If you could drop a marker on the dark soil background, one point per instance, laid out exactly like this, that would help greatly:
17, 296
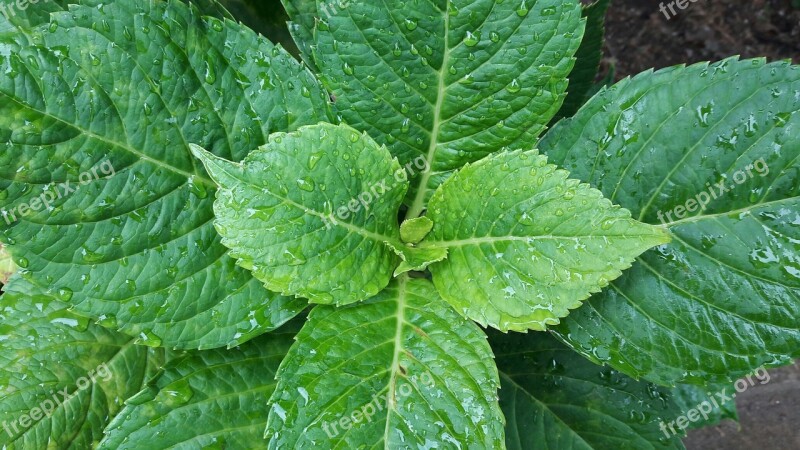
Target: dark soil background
640, 37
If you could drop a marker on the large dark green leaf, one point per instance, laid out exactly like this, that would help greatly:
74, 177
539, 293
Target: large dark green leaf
724, 297
122, 90
263, 16
445, 81
215, 399
706, 398
17, 19
587, 59
401, 370
555, 399
61, 377
303, 15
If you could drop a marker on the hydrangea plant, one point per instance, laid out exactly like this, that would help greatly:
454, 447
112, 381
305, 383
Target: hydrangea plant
428, 233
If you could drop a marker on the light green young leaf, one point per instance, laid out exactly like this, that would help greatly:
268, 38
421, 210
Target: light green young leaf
401, 371
210, 399
311, 212
135, 244
7, 266
526, 243
413, 231
415, 258
62, 377
554, 399
724, 298
448, 81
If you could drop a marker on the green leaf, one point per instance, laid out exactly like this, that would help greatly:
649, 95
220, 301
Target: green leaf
211, 399
265, 17
416, 258
17, 19
688, 397
413, 231
138, 248
62, 377
7, 266
308, 208
555, 399
401, 371
526, 243
587, 59
724, 298
301, 27
448, 82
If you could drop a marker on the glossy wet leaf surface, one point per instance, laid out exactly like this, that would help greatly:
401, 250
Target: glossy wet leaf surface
724, 297
54, 361
129, 236
215, 399
526, 243
400, 371
308, 208
447, 81
555, 399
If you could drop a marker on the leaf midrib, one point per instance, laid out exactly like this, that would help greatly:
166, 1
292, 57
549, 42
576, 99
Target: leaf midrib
346, 225
543, 405
525, 239
126, 147
398, 345
746, 209
417, 205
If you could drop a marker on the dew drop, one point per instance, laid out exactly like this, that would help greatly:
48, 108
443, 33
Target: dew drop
148, 338
522, 11
306, 184
313, 160
176, 394
64, 294
107, 321
471, 40
211, 73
